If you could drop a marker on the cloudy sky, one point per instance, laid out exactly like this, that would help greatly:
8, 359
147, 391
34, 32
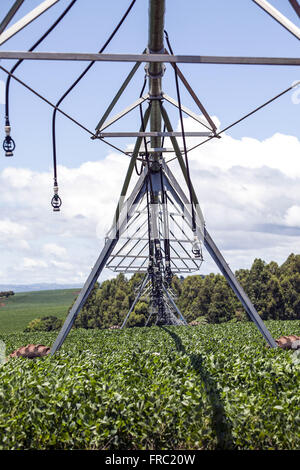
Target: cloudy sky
247, 182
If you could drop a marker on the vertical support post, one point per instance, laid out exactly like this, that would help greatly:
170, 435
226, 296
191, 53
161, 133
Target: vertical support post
156, 70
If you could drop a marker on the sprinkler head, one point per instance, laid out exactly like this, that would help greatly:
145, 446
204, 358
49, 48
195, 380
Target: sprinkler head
9, 146
196, 248
56, 201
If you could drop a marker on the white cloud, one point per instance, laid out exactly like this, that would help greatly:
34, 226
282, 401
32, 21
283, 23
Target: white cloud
248, 190
292, 216
10, 229
52, 249
30, 263
61, 265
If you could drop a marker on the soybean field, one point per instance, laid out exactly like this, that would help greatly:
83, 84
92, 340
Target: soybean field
172, 387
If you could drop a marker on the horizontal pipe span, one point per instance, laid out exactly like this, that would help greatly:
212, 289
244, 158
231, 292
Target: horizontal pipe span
183, 59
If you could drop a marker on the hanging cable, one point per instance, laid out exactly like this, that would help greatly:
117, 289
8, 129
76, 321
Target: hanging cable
243, 117
168, 271
85, 71
195, 248
9, 144
151, 257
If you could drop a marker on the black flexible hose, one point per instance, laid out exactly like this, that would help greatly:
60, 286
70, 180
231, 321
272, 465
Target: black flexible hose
9, 144
41, 97
35, 45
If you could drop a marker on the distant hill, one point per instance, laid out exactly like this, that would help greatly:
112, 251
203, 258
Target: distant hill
36, 287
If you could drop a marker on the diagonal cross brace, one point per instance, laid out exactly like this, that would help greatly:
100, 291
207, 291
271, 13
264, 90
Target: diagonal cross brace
279, 17
118, 116
10, 15
26, 20
119, 94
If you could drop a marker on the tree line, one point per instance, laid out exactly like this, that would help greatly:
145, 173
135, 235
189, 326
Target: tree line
274, 290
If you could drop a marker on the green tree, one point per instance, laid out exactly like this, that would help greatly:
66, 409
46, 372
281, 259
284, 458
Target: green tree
48, 323
139, 315
222, 305
291, 292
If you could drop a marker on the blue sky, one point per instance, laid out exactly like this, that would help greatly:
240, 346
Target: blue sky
194, 27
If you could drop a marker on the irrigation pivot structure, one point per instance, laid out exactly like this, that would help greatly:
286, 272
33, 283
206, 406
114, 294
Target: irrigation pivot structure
158, 229
157, 200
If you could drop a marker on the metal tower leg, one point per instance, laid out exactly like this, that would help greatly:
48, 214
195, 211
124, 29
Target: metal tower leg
221, 263
85, 291
237, 288
149, 317
174, 305
116, 231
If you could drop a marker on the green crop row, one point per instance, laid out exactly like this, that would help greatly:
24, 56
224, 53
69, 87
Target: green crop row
205, 387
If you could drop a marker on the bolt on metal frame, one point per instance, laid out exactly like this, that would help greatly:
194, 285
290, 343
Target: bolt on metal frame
23, 22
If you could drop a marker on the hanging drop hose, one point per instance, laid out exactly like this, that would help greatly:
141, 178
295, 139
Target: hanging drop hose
168, 271
151, 257
196, 247
85, 71
9, 144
